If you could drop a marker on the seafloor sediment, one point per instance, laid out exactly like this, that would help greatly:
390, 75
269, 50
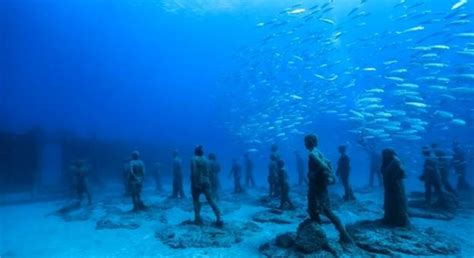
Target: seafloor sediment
253, 227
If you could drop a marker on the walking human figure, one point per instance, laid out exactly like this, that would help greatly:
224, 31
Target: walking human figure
201, 184
319, 178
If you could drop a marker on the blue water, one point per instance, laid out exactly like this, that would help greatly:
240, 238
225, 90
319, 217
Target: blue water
226, 74
163, 72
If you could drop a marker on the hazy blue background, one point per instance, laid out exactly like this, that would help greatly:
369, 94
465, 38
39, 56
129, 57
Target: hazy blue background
138, 71
112, 69
134, 70
122, 69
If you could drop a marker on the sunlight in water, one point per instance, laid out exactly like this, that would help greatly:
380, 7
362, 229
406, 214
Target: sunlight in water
202, 7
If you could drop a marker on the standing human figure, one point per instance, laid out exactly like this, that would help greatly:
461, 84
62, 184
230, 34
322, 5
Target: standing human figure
431, 177
395, 201
459, 165
374, 161
236, 172
274, 151
444, 167
249, 181
79, 171
135, 179
272, 176
178, 191
285, 201
343, 172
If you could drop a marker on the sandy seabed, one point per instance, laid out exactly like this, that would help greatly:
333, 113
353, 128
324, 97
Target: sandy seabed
30, 230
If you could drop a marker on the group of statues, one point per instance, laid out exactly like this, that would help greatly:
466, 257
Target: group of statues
205, 180
436, 172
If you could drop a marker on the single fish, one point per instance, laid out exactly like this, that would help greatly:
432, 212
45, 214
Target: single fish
416, 104
435, 65
399, 71
438, 87
399, 3
417, 28
369, 100
444, 114
376, 90
333, 78
297, 11
390, 62
408, 85
369, 69
463, 90
296, 97
395, 79
469, 53
355, 9
458, 121
327, 21
458, 5
298, 57
357, 114
465, 35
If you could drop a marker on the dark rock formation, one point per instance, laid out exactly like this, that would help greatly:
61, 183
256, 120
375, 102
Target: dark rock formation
81, 215
114, 224
268, 202
375, 237
188, 235
278, 216
449, 204
309, 241
285, 240
310, 237
426, 214
73, 211
419, 209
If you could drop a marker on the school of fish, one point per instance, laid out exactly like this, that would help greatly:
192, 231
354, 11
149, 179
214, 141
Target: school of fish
391, 77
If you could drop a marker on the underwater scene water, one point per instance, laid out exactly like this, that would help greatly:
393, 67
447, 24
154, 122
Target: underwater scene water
226, 128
